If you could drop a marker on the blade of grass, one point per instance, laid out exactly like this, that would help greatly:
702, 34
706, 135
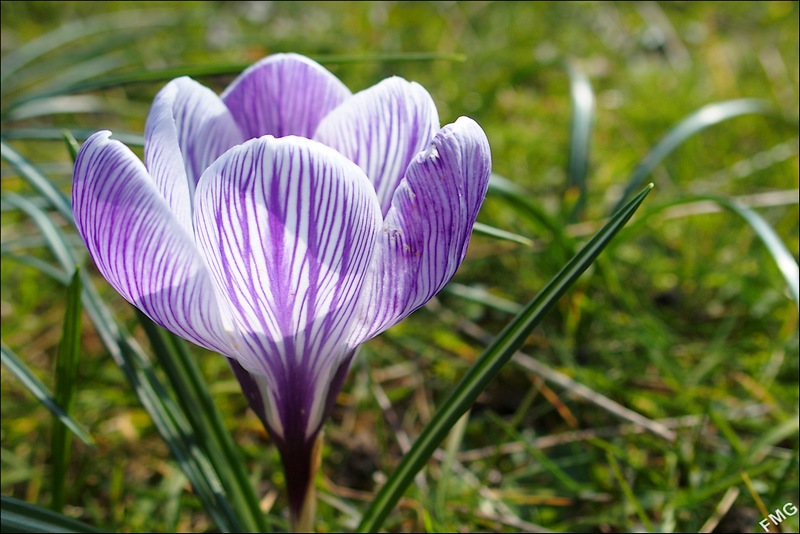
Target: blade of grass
42, 393
169, 419
57, 134
389, 58
789, 427
53, 168
40, 265
31, 242
699, 120
205, 419
563, 246
34, 74
559, 474
57, 105
491, 231
454, 440
629, 495
481, 296
66, 388
783, 258
487, 366
126, 78
720, 482
80, 29
519, 198
790, 474
169, 73
72, 144
20, 516
581, 124
69, 75
39, 182
59, 247
474, 331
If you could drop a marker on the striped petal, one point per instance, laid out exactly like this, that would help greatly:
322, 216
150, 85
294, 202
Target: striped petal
187, 129
296, 454
283, 94
288, 227
427, 229
138, 245
381, 129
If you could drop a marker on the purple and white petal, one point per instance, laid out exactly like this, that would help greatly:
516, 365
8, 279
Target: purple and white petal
427, 229
187, 129
288, 227
283, 94
251, 389
139, 247
381, 129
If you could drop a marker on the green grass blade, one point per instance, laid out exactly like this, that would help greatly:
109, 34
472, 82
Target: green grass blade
581, 125
33, 75
454, 441
57, 105
783, 258
503, 235
487, 366
628, 492
57, 134
80, 29
72, 144
66, 388
20, 516
39, 182
520, 199
206, 421
483, 297
569, 484
58, 246
40, 265
170, 73
127, 78
790, 468
171, 424
74, 74
397, 57
18, 368
170, 421
699, 120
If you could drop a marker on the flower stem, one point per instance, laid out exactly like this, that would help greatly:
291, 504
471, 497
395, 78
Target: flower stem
303, 519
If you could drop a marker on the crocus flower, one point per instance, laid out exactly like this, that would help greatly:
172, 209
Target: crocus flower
283, 224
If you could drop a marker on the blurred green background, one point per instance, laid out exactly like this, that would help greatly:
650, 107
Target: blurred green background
685, 320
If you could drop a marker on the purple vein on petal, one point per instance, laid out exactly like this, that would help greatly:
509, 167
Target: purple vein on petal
427, 229
187, 129
139, 247
283, 94
289, 227
381, 129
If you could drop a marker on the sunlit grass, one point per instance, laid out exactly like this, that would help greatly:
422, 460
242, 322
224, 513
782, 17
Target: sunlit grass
686, 319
